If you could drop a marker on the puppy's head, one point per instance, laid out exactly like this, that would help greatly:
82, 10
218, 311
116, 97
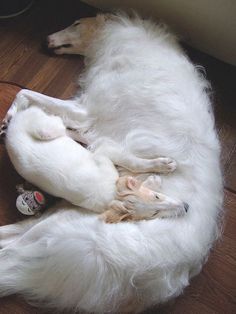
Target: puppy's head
132, 190
144, 202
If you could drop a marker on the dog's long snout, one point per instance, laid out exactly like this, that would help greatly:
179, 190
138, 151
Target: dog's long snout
186, 207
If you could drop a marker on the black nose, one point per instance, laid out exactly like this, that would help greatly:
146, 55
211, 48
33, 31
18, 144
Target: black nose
186, 207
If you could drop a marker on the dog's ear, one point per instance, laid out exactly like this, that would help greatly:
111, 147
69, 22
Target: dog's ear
118, 207
111, 216
102, 18
126, 184
117, 212
132, 183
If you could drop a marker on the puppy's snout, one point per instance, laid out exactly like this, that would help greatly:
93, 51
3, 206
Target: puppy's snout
186, 207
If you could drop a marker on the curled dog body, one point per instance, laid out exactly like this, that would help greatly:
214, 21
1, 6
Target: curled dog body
140, 90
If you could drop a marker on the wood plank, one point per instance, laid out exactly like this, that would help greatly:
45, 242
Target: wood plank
222, 77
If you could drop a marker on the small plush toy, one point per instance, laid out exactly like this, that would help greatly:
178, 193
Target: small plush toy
30, 201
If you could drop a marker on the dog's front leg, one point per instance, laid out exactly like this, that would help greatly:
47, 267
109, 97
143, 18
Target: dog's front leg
122, 157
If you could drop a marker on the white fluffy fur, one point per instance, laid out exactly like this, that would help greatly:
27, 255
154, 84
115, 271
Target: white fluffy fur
142, 91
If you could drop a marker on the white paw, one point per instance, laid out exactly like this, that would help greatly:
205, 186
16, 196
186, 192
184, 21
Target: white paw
21, 101
4, 125
44, 135
166, 165
6, 121
2, 132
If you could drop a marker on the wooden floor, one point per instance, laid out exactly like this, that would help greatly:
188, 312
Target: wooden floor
23, 62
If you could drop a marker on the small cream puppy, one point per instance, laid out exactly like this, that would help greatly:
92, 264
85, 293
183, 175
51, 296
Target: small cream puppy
43, 153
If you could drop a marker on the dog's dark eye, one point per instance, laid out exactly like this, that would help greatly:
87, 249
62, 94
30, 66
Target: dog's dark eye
76, 23
157, 197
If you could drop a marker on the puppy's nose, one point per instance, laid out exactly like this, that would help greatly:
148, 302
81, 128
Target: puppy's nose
186, 207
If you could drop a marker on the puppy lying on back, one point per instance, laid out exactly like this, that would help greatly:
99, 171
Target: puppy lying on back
44, 155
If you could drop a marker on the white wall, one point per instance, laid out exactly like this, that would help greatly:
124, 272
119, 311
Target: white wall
209, 25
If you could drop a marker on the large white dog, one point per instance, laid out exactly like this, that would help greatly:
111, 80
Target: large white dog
140, 90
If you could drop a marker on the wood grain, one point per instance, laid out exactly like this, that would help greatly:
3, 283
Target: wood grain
222, 77
22, 58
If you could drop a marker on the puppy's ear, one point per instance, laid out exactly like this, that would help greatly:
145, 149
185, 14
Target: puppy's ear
111, 216
132, 183
127, 185
118, 207
116, 213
